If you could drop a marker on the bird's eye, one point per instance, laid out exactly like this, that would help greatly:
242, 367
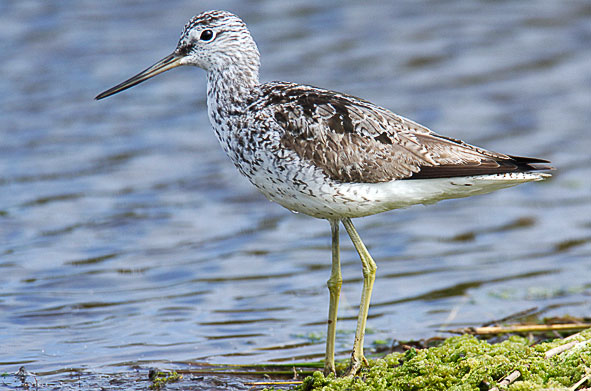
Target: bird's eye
207, 35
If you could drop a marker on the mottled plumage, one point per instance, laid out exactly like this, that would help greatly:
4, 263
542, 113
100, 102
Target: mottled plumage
355, 141
327, 154
332, 155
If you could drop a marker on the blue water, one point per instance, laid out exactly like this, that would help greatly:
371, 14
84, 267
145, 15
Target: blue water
127, 237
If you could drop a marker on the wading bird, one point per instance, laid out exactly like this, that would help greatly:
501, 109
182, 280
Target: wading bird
326, 154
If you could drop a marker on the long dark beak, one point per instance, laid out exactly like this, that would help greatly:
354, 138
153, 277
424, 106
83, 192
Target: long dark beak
171, 61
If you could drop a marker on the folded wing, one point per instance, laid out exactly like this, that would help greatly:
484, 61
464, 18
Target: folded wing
354, 141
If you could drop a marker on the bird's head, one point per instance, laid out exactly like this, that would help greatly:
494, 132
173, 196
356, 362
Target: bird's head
214, 40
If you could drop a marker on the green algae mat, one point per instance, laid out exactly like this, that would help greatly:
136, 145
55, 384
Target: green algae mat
457, 364
465, 363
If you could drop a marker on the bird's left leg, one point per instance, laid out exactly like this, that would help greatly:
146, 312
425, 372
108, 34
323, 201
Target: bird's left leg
369, 275
334, 288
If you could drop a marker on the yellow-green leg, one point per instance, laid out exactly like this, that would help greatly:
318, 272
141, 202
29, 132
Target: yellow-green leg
369, 276
334, 288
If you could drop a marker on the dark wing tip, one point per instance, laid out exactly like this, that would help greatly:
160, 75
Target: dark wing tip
528, 159
530, 164
497, 166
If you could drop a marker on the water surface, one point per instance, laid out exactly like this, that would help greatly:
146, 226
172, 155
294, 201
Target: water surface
127, 238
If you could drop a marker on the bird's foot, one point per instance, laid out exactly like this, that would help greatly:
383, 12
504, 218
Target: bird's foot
356, 364
328, 369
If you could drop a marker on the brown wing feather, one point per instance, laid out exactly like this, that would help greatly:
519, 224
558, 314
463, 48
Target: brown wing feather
352, 140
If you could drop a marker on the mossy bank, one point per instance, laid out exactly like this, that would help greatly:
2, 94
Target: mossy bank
466, 363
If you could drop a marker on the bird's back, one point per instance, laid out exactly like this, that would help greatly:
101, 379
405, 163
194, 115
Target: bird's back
355, 141
325, 153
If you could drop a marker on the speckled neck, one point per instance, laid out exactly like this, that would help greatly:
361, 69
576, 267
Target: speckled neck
228, 91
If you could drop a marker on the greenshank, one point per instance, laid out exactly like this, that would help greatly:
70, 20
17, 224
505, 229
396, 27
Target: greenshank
326, 154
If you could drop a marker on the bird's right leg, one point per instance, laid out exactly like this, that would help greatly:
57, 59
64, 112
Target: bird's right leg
334, 288
369, 276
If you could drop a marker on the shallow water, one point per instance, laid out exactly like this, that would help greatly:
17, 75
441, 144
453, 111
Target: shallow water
127, 237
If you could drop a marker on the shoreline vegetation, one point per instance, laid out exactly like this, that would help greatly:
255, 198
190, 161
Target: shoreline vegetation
465, 363
514, 357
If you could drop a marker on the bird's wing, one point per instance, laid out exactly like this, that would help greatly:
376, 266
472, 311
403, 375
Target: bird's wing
353, 140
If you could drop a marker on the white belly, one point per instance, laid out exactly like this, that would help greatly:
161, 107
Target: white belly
330, 200
283, 177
